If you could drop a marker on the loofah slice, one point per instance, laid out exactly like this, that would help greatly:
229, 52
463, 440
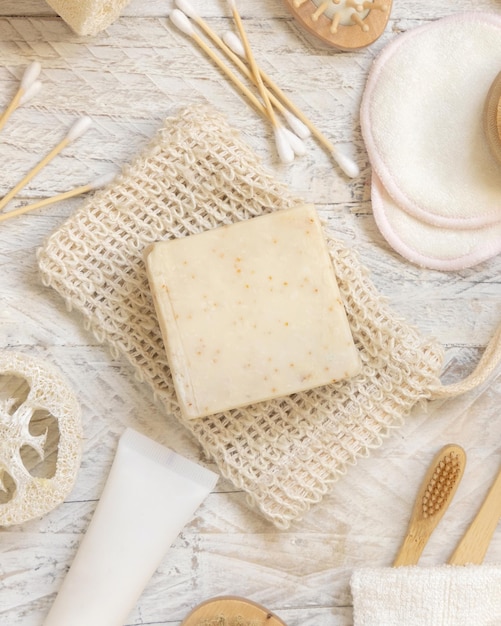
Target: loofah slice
434, 247
57, 432
88, 17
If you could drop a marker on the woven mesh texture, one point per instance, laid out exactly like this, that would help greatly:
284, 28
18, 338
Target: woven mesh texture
198, 174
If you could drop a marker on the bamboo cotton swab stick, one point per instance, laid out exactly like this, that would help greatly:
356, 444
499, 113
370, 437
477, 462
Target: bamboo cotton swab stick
277, 128
23, 94
289, 142
78, 129
102, 181
349, 167
300, 129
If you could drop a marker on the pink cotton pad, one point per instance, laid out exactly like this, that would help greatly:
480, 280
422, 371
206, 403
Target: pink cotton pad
433, 247
421, 119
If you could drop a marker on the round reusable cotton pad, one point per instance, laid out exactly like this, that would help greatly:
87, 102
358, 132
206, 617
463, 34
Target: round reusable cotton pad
431, 246
421, 119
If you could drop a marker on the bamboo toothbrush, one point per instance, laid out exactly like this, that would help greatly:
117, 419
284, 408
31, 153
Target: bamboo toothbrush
278, 130
474, 544
100, 182
300, 129
349, 167
434, 496
23, 94
78, 129
290, 143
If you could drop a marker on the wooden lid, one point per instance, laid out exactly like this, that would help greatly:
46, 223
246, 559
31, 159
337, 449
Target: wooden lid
231, 610
492, 117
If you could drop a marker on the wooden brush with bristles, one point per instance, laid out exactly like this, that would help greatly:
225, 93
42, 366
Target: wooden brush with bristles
433, 498
343, 24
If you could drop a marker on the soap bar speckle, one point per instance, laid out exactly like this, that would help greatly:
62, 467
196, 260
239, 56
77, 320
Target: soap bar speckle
250, 312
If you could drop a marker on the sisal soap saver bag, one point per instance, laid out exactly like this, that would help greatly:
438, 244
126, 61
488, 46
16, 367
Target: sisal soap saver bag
198, 174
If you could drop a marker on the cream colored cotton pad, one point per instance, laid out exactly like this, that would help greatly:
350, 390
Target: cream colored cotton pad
430, 246
421, 119
88, 17
25, 494
250, 312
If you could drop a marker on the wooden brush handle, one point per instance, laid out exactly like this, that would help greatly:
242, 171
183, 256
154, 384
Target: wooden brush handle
474, 544
411, 548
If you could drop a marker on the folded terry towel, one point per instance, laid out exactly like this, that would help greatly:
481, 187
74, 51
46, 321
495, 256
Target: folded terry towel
427, 596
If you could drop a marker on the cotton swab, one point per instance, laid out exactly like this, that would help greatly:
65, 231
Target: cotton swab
29, 78
280, 136
31, 92
300, 129
284, 148
78, 129
102, 181
349, 167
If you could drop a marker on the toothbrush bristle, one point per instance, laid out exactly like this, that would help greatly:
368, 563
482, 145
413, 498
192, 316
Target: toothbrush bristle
441, 484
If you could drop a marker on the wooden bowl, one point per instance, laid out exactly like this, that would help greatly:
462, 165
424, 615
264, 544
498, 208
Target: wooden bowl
492, 117
231, 610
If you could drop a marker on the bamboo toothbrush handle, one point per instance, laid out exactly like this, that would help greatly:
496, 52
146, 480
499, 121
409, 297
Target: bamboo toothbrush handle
474, 544
411, 549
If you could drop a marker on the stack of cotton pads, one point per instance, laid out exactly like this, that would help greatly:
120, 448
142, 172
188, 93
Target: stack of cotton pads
436, 185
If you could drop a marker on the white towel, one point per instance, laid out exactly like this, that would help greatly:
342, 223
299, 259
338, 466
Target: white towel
427, 596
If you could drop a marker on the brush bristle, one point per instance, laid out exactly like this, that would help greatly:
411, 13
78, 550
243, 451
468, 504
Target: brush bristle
442, 482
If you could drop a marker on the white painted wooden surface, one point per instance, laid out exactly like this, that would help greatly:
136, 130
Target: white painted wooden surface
128, 79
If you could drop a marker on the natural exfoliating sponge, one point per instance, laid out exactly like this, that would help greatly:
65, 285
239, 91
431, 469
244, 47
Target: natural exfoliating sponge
88, 17
37, 421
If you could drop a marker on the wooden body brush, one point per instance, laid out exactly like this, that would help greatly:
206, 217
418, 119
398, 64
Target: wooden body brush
231, 610
434, 496
343, 24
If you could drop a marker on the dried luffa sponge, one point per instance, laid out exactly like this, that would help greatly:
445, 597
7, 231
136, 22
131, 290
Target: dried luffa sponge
40, 438
88, 17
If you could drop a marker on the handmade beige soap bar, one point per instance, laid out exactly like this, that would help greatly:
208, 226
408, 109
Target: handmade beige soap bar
250, 312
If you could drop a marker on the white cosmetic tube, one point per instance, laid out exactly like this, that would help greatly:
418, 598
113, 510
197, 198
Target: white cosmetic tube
150, 494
